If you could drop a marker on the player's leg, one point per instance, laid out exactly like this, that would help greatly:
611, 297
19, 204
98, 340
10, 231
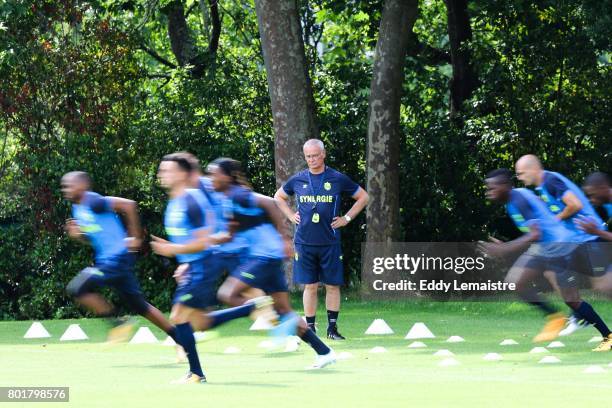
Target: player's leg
128, 288
525, 270
82, 287
575, 322
271, 278
306, 271
332, 275
572, 298
180, 316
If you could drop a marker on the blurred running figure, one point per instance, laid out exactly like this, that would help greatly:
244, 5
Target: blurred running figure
261, 223
549, 247
96, 222
567, 203
188, 221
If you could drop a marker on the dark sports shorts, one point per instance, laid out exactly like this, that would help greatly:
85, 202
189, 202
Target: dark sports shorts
199, 288
116, 272
266, 274
593, 258
561, 266
229, 261
318, 263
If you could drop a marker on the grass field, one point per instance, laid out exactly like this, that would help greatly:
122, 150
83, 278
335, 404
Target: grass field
138, 375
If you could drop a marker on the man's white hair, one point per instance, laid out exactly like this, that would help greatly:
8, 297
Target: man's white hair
315, 142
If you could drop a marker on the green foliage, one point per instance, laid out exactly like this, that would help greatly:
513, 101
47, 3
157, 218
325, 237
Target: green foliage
79, 91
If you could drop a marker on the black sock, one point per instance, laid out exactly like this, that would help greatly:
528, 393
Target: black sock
172, 334
590, 315
332, 318
184, 333
311, 338
310, 320
225, 315
577, 316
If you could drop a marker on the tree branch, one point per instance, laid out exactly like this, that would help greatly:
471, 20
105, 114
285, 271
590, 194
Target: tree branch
157, 57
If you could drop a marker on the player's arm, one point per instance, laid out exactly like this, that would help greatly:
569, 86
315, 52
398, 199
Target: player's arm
590, 227
572, 205
271, 208
74, 231
282, 201
498, 248
361, 198
170, 249
129, 210
201, 234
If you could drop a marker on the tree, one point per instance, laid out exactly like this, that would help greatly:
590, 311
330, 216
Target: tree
464, 80
384, 133
293, 107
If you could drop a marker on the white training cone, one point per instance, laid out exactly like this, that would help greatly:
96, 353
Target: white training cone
417, 344
231, 350
508, 342
169, 342
492, 357
455, 339
36, 331
443, 353
379, 326
261, 324
378, 349
556, 344
144, 335
538, 350
74, 332
549, 360
447, 362
419, 331
595, 339
594, 369
345, 355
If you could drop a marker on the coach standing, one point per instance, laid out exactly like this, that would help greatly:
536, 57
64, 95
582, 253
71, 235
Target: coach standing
318, 253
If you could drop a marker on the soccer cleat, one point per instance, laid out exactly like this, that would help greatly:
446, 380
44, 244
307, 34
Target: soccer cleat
324, 360
264, 307
573, 325
286, 327
332, 334
190, 378
605, 345
551, 329
121, 333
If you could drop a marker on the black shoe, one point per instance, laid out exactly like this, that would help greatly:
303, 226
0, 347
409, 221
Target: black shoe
332, 334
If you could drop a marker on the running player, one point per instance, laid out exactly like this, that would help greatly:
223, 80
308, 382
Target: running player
550, 247
569, 205
95, 221
188, 222
260, 222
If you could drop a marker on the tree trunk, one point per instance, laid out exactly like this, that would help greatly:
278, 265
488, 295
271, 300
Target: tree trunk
398, 18
464, 79
293, 108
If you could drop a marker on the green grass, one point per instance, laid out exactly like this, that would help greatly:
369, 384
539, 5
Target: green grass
138, 375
